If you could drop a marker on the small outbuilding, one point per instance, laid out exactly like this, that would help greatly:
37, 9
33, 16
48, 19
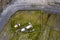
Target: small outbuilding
23, 29
29, 26
17, 25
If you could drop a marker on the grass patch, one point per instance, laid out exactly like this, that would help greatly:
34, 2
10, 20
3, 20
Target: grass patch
39, 19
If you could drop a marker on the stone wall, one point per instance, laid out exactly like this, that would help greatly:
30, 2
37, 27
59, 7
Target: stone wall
38, 2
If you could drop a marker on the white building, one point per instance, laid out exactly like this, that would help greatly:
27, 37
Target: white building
27, 27
17, 25
23, 29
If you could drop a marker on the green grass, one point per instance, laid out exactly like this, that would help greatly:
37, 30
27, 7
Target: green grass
42, 24
24, 18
